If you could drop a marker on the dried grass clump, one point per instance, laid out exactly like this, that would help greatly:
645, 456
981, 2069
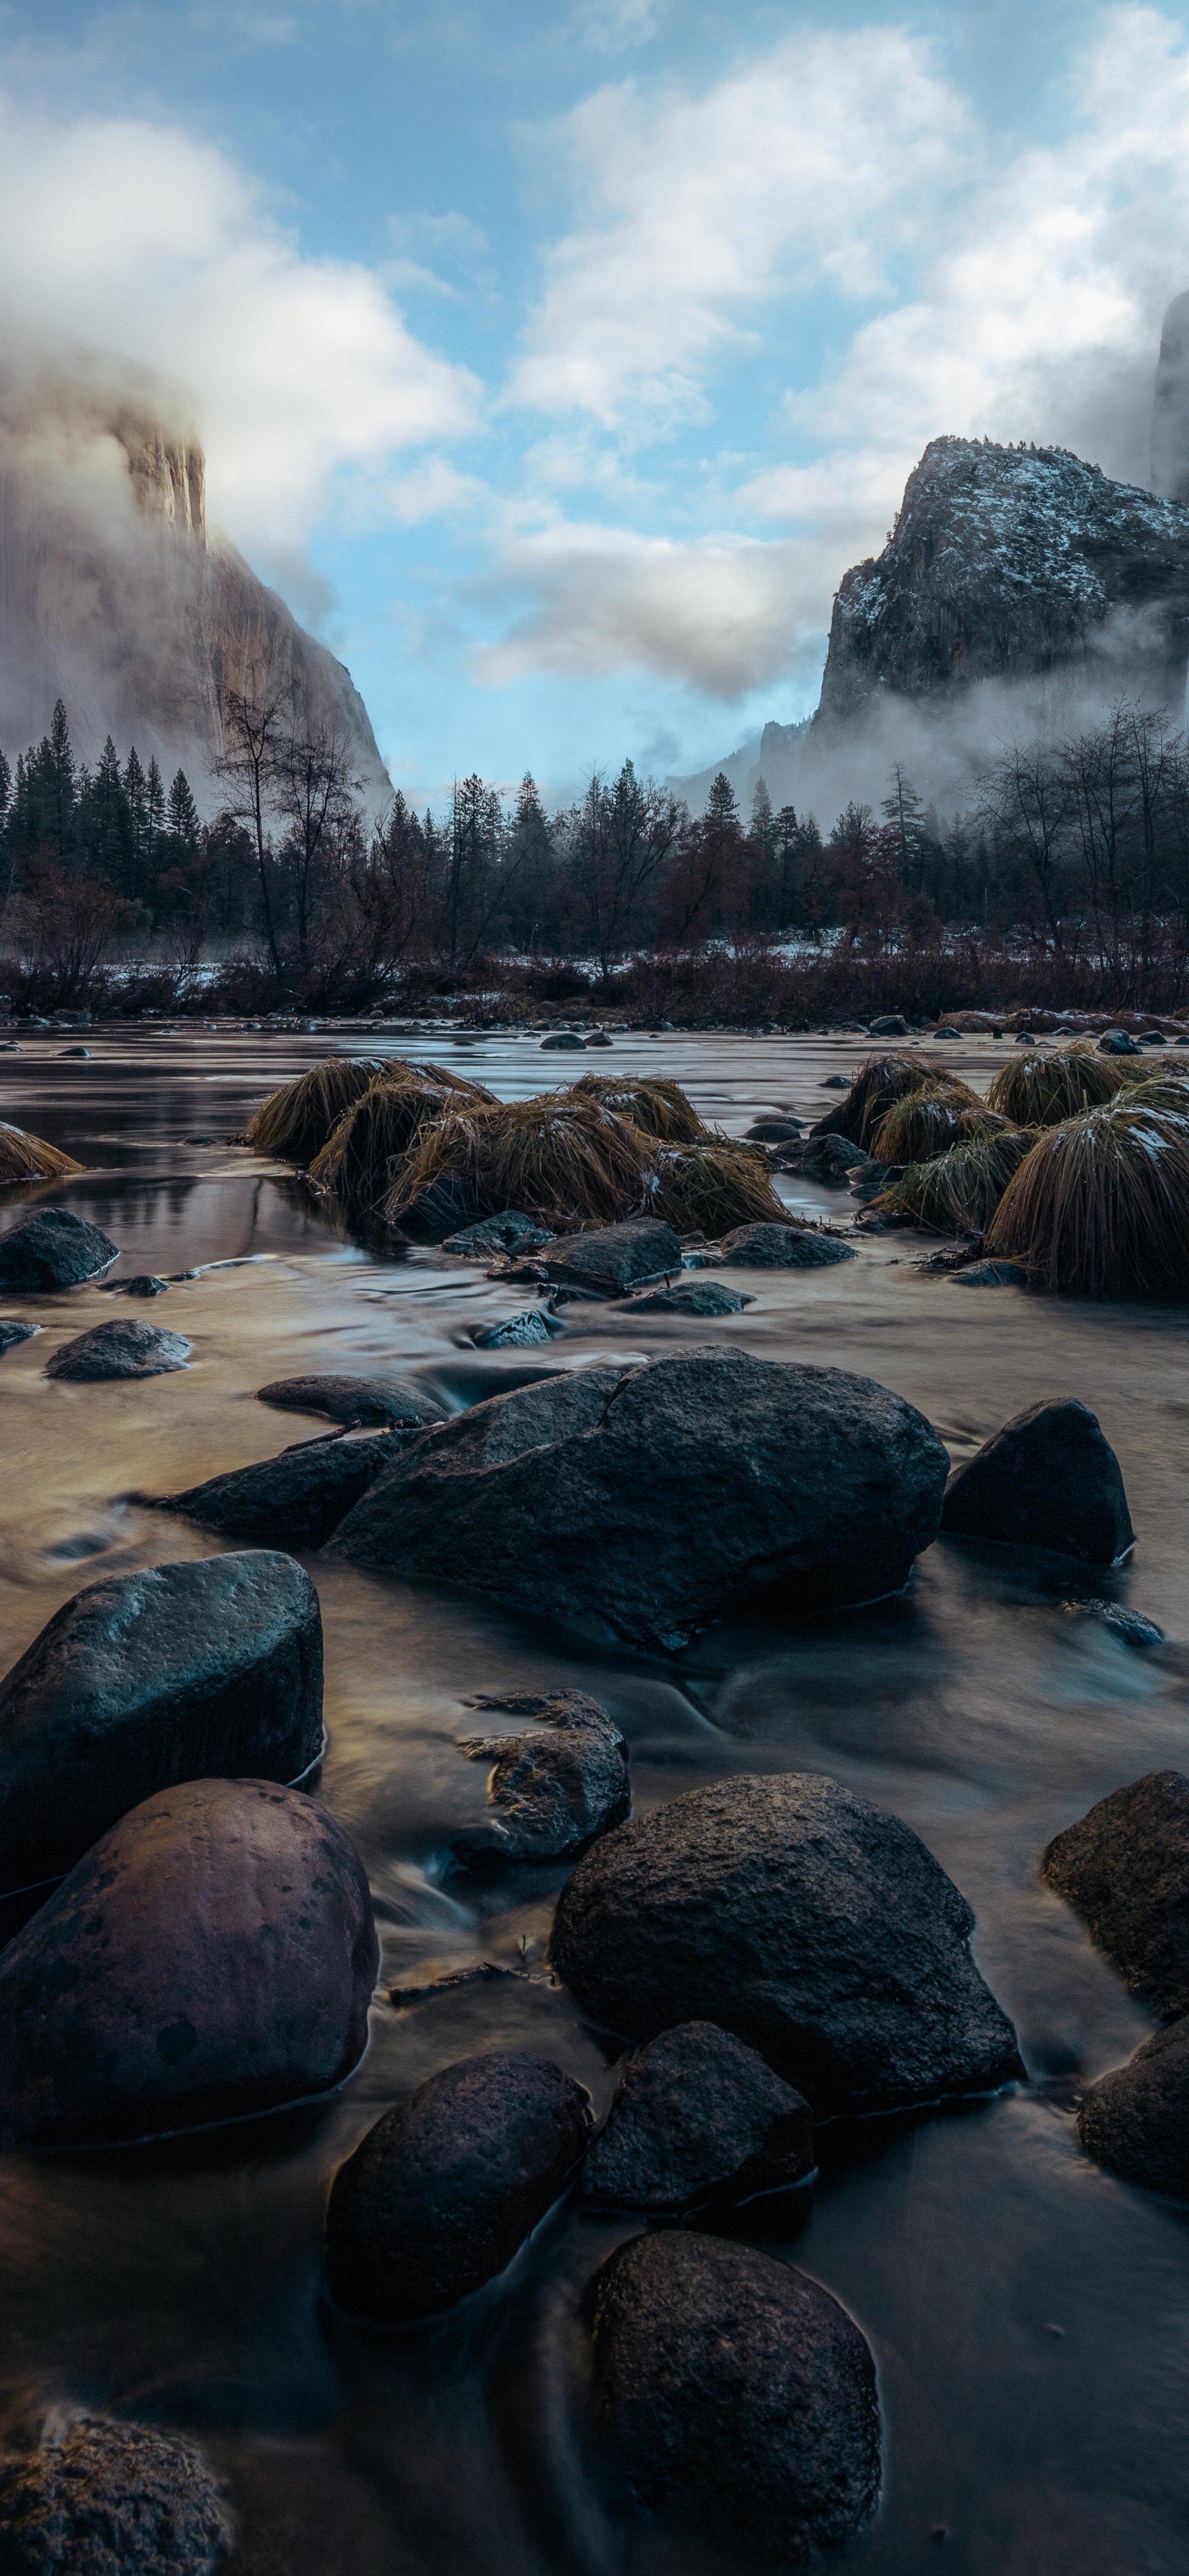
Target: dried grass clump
657, 1108
29, 1158
1045, 1090
561, 1157
1100, 1208
359, 1159
1160, 1089
959, 1191
926, 1122
879, 1082
707, 1189
297, 1120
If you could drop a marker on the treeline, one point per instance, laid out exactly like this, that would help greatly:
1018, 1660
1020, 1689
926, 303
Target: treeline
1071, 870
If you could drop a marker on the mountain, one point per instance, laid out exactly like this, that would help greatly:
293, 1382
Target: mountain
117, 597
1007, 564
771, 755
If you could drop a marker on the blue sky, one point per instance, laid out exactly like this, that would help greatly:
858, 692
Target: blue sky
555, 361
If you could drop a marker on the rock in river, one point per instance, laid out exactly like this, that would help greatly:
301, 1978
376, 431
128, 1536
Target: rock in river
358, 1403
11, 1333
1136, 2119
298, 1499
125, 1348
445, 2188
552, 1793
692, 1297
146, 1679
783, 1247
1124, 1868
54, 1249
813, 1925
213, 1956
652, 1499
698, 2116
1047, 1479
109, 2499
610, 1259
736, 2389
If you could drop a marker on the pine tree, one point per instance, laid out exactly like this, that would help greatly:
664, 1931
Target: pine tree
154, 809
136, 800
106, 833
181, 816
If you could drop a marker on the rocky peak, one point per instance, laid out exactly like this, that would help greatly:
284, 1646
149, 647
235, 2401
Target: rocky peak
168, 472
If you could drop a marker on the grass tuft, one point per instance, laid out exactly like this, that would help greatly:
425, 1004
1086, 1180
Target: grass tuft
1100, 1207
924, 1123
883, 1079
29, 1158
657, 1108
707, 1189
297, 1120
561, 1157
959, 1191
1045, 1090
358, 1160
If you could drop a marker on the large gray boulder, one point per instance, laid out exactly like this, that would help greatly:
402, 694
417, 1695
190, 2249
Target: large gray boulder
1048, 1479
697, 2116
1136, 2119
654, 1499
1124, 1867
212, 1957
146, 1679
608, 1260
54, 1249
738, 2392
122, 1349
445, 2188
297, 1499
358, 1403
103, 2498
816, 1927
783, 1247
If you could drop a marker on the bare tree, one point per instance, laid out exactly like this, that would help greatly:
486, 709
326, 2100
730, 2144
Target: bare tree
253, 732
313, 791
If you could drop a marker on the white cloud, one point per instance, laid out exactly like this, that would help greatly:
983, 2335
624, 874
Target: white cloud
133, 241
808, 167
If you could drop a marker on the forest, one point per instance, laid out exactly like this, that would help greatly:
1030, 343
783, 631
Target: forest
1066, 880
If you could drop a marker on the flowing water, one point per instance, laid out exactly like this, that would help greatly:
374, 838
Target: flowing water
1029, 2314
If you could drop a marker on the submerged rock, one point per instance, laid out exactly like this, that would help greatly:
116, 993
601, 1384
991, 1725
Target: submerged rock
891, 1025
122, 1349
54, 1249
443, 2191
566, 1039
814, 1926
698, 2116
991, 1274
783, 1247
146, 1679
1124, 1867
111, 2499
517, 1333
11, 1333
655, 1498
551, 1794
738, 2390
774, 1131
355, 1402
1136, 2119
692, 1297
611, 1259
299, 1498
213, 1956
510, 1232
1047, 1479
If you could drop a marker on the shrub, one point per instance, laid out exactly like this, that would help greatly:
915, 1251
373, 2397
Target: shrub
1044, 1090
1100, 1207
959, 1191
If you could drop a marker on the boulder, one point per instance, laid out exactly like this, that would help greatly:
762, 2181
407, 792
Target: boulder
356, 1402
11, 1333
443, 2191
54, 1249
814, 1926
510, 1232
108, 2499
697, 2116
891, 1025
210, 1958
1136, 2119
827, 1156
1124, 1868
692, 1297
737, 2390
774, 1131
611, 1259
146, 1679
298, 1499
125, 1348
1117, 1042
143, 1283
563, 1039
550, 1794
523, 1332
655, 1498
783, 1247
1047, 1479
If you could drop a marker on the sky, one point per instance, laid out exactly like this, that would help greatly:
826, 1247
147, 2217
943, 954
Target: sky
555, 361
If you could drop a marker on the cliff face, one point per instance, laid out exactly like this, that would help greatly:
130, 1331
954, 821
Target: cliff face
1006, 564
115, 597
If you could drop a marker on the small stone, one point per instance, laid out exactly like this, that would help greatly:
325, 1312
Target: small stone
692, 1297
990, 1274
567, 1039
550, 1795
1048, 1479
54, 1249
510, 1232
774, 1131
111, 2499
122, 1349
517, 1333
297, 1499
356, 1402
444, 2190
143, 1283
1124, 1867
1129, 1626
836, 1082
698, 2116
77, 1050
11, 1333
1117, 1042
1136, 2119
890, 1025
783, 1247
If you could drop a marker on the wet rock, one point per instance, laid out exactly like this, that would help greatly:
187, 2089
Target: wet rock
1047, 1479
1129, 1626
567, 1039
891, 1025
11, 1333
517, 1333
991, 1274
692, 1297
947, 1033
738, 2390
54, 1249
78, 1050
836, 1082
146, 1679
774, 1131
1124, 1867
299, 1498
654, 1498
698, 2116
1117, 1042
611, 1259
443, 2191
356, 1402
828, 1157
210, 1958
1136, 2119
550, 1794
510, 1232
143, 1283
109, 2499
599, 1038
449, 1202
122, 1349
783, 1247
814, 1926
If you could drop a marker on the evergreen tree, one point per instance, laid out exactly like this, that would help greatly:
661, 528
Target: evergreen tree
154, 809
106, 834
137, 804
5, 790
181, 816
